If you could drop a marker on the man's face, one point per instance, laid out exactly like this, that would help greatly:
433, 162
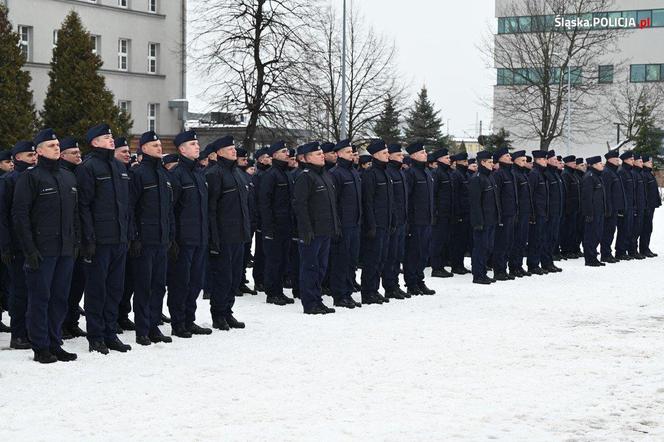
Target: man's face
648, 164
382, 155
356, 157
103, 142
571, 164
487, 164
505, 159
251, 170
152, 149
331, 157
242, 161
228, 153
433, 165
292, 162
365, 165
472, 167
6, 165
72, 155
204, 162
49, 149
638, 163
598, 166
419, 156
281, 155
541, 161
614, 161
190, 149
123, 154
445, 159
529, 165
520, 161
346, 153
582, 166
317, 158
397, 156
629, 161
212, 156
265, 160
553, 161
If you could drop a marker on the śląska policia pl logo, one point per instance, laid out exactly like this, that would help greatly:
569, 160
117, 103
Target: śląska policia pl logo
600, 23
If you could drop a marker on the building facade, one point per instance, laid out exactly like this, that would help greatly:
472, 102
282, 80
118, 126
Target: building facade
636, 58
141, 44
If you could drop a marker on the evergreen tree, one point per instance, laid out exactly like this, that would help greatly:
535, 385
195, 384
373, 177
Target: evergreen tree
462, 147
648, 139
77, 96
423, 123
387, 125
495, 141
18, 119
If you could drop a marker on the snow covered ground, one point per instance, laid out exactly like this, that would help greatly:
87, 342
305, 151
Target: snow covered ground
573, 356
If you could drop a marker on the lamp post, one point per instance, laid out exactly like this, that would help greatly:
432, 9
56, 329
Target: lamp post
344, 133
569, 108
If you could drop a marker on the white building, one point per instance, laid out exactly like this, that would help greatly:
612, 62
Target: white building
141, 44
637, 58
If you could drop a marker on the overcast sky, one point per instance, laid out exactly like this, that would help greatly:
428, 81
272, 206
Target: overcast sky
437, 45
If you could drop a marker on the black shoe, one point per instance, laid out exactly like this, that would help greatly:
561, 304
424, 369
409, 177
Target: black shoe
501, 277
117, 345
371, 298
181, 332
624, 257
460, 270
74, 332
557, 257
326, 291
157, 336
286, 299
441, 273
220, 324
45, 357
650, 254
382, 298
259, 287
536, 271
5, 328
238, 293
20, 344
233, 323
196, 329
639, 256
126, 324
318, 309
357, 304
593, 263
327, 309
245, 289
483, 280
414, 291
62, 355
425, 290
345, 303
165, 319
66, 334
402, 293
206, 295
276, 300
393, 294
491, 280
99, 347
143, 340
356, 287
517, 273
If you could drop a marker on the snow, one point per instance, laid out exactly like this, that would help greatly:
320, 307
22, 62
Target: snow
576, 356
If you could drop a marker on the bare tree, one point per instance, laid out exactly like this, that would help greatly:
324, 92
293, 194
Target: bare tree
248, 50
535, 57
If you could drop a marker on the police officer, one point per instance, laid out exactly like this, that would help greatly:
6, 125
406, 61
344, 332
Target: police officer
524, 214
509, 205
484, 216
274, 204
653, 201
615, 200
263, 163
461, 231
626, 222
70, 158
569, 227
640, 205
396, 243
314, 203
170, 161
230, 228
420, 220
594, 206
539, 218
152, 235
364, 162
556, 203
580, 171
45, 216
378, 222
330, 155
243, 165
345, 249
24, 156
443, 197
122, 152
6, 164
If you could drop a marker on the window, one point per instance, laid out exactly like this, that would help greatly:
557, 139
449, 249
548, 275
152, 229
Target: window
658, 17
55, 38
630, 15
524, 24
643, 15
123, 54
605, 74
123, 3
152, 6
637, 73
25, 41
652, 72
153, 109
96, 44
153, 52
124, 106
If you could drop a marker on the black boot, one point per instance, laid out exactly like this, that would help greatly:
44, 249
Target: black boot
181, 332
318, 309
62, 355
536, 271
157, 336
126, 324
165, 319
393, 294
482, 280
5, 328
98, 347
501, 276
425, 290
460, 270
117, 345
233, 323
414, 291
20, 344
371, 298
276, 300
441, 273
345, 303
220, 324
206, 294
195, 329
45, 357
244, 288
327, 309
259, 287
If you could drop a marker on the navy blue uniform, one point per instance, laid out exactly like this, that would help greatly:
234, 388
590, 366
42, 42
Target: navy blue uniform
153, 227
190, 210
615, 198
294, 261
258, 271
640, 206
441, 232
509, 205
104, 206
653, 201
461, 232
523, 218
556, 207
420, 220
626, 222
230, 228
345, 250
484, 216
396, 243
595, 208
569, 234
46, 220
539, 220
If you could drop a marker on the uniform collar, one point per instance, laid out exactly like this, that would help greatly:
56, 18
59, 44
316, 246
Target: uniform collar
395, 164
49, 164
342, 162
151, 161
21, 166
226, 163
187, 163
279, 164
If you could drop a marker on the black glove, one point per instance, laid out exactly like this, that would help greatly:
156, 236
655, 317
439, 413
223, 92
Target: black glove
135, 249
173, 251
7, 257
589, 219
371, 233
307, 238
621, 213
531, 220
478, 228
88, 250
33, 260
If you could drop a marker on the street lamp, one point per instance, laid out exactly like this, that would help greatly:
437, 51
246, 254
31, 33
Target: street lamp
343, 77
569, 104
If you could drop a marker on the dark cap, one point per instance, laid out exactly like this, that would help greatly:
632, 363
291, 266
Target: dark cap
22, 146
627, 155
539, 154
499, 153
183, 137
68, 143
308, 148
594, 160
327, 147
414, 147
120, 142
518, 154
483, 155
44, 135
170, 158
97, 131
376, 146
569, 159
148, 137
342, 145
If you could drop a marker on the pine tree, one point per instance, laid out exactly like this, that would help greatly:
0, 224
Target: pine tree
387, 126
423, 123
649, 138
462, 147
18, 118
77, 96
495, 141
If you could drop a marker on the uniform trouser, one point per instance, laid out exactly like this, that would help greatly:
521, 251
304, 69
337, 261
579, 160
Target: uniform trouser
440, 244
395, 252
313, 266
625, 227
518, 252
608, 232
149, 288
207, 275
76, 293
579, 232
536, 242
226, 268
246, 256
103, 291
418, 239
18, 298
375, 254
48, 289
294, 263
503, 243
276, 263
551, 240
460, 244
185, 281
258, 271
344, 253
128, 291
568, 232
636, 231
592, 235
483, 241
4, 288
646, 231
